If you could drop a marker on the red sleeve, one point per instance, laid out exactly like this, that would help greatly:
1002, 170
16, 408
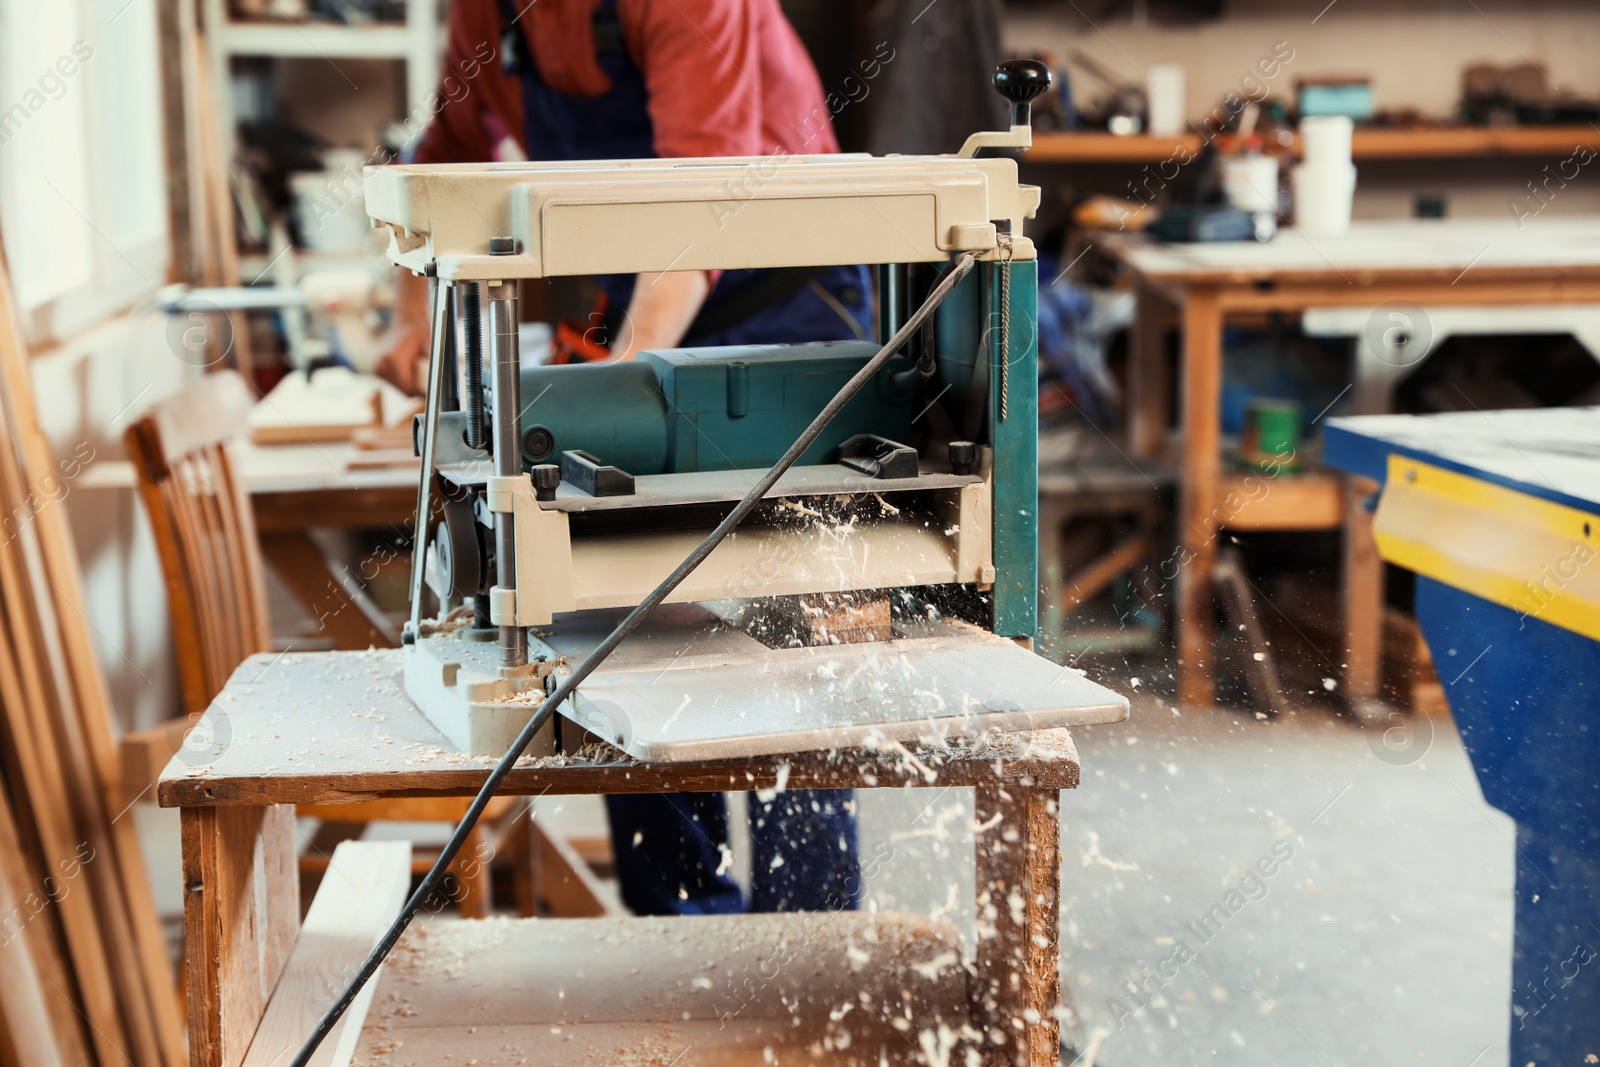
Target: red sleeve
471, 84
702, 65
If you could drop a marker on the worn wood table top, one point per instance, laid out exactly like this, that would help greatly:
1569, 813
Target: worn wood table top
327, 727
1449, 250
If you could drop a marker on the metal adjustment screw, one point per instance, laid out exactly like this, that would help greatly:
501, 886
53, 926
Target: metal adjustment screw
963, 457
546, 477
502, 246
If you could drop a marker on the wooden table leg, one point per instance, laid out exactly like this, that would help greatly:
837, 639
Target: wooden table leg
241, 914
341, 608
1149, 382
1363, 595
1201, 470
1017, 990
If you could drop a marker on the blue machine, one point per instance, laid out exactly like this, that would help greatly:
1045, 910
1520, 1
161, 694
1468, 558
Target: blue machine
1498, 514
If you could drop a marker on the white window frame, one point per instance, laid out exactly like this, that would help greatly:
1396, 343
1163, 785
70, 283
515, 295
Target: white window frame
120, 274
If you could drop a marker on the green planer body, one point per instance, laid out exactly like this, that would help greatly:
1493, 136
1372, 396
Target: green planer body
704, 410
678, 411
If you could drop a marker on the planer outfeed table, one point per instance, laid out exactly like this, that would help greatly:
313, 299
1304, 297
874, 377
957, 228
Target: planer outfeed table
336, 727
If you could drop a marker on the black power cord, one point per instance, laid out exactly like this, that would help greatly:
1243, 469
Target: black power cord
958, 270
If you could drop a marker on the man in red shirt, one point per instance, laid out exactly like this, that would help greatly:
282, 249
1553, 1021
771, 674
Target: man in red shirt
619, 79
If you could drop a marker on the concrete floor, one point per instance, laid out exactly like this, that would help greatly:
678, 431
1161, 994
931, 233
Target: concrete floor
1383, 935
1384, 939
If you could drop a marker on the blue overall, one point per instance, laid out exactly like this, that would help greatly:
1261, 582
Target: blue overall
670, 849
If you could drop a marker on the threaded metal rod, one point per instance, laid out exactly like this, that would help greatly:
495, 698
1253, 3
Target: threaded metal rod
507, 452
472, 359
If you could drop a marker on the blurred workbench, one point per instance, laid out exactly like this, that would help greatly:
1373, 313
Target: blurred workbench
1418, 263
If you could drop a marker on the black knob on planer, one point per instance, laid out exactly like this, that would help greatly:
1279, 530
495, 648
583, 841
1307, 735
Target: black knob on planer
546, 478
1019, 81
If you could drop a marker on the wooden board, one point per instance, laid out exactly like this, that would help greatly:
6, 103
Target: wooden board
330, 405
836, 988
335, 726
36, 1012
241, 909
360, 895
1017, 845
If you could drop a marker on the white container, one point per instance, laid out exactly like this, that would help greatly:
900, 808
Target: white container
1165, 99
1322, 198
1325, 140
1250, 183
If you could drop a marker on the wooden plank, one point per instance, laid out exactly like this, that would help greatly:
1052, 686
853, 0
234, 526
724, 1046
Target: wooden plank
30, 744
185, 222
342, 610
1198, 524
129, 912
1096, 146
1017, 988
1089, 581
331, 727
36, 1008
1363, 595
828, 989
562, 881
241, 911
360, 896
1246, 634
353, 506
1311, 500
1149, 377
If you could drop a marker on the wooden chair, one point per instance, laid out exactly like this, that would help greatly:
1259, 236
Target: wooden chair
183, 458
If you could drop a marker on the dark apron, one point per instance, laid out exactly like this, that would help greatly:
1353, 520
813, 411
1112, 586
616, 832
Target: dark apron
670, 848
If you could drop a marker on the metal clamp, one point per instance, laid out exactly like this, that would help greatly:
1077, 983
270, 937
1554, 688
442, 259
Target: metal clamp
500, 490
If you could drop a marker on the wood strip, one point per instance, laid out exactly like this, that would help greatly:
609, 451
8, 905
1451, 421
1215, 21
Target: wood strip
1088, 582
23, 692
180, 608
59, 731
1017, 989
242, 526
1202, 460
1149, 378
361, 894
1363, 595
342, 611
36, 1010
563, 883
145, 978
225, 562
241, 913
196, 566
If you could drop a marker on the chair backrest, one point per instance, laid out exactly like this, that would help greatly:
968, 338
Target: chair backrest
183, 457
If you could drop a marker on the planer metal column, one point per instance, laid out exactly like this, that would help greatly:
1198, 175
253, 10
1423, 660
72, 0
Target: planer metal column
507, 444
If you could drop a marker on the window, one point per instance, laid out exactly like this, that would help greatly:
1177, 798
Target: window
82, 194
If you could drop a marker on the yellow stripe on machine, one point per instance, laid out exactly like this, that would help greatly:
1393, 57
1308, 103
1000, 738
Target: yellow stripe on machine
1536, 557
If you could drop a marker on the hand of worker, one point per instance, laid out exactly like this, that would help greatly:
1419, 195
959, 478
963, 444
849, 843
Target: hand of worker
405, 355
660, 312
405, 345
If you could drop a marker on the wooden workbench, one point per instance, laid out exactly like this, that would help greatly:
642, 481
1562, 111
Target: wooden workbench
1465, 262
331, 727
